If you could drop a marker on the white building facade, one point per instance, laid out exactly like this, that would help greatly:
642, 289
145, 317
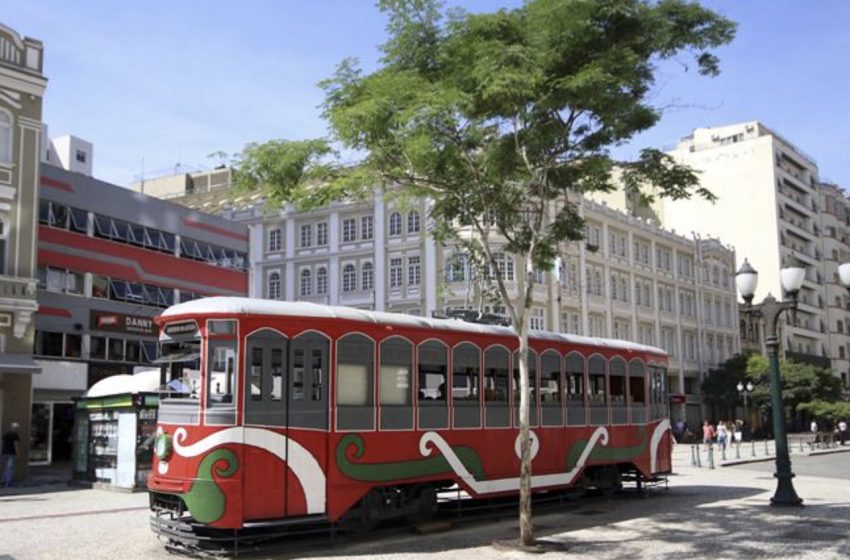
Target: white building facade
771, 205
631, 281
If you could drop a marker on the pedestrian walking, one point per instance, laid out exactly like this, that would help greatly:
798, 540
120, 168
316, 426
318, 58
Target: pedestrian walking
10, 454
707, 433
738, 430
842, 431
813, 427
722, 435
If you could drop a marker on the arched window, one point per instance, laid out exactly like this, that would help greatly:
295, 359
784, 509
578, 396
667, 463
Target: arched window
322, 281
368, 277
349, 278
413, 222
274, 285
306, 282
5, 137
395, 223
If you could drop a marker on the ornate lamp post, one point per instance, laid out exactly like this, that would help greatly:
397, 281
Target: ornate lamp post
769, 310
745, 392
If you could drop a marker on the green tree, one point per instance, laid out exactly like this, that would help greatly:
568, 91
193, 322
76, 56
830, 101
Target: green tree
802, 384
502, 121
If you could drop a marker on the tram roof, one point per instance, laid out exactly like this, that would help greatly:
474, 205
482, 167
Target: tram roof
253, 306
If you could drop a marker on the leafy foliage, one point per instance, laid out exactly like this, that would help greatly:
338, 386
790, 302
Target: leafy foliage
802, 384
501, 121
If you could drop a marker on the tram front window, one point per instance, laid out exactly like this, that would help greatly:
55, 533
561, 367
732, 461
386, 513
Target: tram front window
181, 369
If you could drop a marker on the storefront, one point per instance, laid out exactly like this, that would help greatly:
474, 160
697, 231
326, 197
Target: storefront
114, 430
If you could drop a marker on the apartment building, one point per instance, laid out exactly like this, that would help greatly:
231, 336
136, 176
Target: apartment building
771, 205
22, 86
109, 260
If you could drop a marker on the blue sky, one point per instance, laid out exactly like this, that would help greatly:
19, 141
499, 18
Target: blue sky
159, 83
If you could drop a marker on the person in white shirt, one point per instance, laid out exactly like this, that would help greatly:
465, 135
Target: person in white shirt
842, 431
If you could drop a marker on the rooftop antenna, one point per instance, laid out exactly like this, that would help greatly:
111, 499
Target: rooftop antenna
142, 177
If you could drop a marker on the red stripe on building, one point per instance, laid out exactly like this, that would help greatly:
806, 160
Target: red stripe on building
193, 223
55, 311
151, 263
61, 185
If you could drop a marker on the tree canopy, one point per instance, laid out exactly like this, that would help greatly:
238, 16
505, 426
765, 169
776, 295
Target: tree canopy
802, 384
501, 121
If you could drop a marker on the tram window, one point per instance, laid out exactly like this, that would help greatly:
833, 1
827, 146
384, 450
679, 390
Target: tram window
432, 372
465, 370
318, 376
394, 375
221, 327
354, 367
221, 374
575, 378
637, 387
596, 389
532, 377
550, 379
618, 382
277, 374
496, 375
256, 373
298, 374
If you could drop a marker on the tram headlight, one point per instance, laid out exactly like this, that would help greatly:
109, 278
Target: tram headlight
162, 447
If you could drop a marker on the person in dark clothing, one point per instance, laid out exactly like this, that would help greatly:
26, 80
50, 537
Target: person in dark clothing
10, 453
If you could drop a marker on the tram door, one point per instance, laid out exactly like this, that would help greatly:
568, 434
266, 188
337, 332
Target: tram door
286, 392
266, 398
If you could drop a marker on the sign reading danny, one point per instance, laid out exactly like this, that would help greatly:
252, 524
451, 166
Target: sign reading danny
120, 322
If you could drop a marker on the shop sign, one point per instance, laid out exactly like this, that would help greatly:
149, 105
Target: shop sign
120, 322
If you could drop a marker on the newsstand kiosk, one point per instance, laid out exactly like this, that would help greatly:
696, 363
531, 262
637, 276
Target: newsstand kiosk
115, 426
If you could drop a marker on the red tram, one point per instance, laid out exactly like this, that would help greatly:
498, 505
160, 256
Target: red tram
295, 412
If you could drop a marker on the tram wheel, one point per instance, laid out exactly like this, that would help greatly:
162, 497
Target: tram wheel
427, 506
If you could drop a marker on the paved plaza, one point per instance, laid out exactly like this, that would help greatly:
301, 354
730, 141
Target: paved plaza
706, 513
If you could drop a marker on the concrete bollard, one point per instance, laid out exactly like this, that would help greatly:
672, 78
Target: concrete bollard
801, 444
693, 455
766, 451
737, 449
723, 452
699, 458
753, 447
711, 456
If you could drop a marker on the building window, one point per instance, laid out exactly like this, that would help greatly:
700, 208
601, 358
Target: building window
306, 282
349, 230
274, 240
538, 319
414, 271
5, 137
395, 223
413, 222
349, 278
366, 227
81, 156
321, 234
322, 281
306, 235
274, 285
456, 268
368, 277
395, 273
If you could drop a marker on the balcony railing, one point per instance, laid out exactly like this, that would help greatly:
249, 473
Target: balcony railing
11, 287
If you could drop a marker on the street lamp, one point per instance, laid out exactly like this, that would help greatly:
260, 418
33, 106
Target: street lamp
791, 277
745, 391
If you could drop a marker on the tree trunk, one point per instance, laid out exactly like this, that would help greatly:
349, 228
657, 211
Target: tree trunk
525, 527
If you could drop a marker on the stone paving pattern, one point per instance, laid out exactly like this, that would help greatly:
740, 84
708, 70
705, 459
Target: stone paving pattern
706, 513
